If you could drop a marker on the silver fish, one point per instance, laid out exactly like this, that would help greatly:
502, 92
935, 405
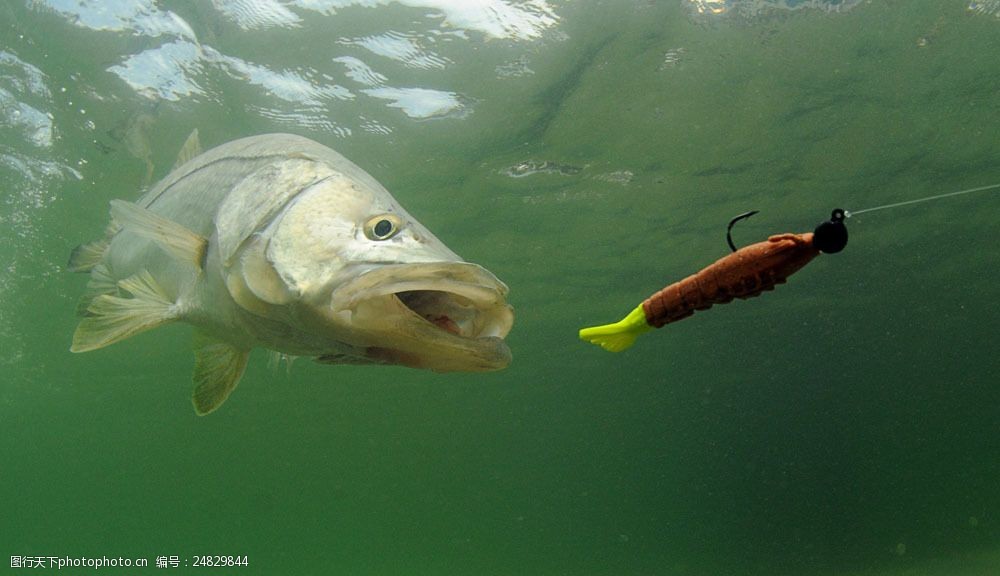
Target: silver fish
279, 242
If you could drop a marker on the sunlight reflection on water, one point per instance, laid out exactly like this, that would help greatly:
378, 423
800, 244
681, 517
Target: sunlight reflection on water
328, 97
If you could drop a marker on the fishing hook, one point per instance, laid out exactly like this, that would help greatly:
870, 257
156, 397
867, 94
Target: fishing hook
729, 229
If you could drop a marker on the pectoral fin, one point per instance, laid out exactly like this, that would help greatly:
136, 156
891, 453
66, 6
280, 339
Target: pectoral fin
111, 317
175, 239
218, 367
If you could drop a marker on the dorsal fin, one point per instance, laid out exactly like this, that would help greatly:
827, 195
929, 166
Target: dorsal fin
190, 149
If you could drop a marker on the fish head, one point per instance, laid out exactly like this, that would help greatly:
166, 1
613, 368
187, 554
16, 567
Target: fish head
358, 269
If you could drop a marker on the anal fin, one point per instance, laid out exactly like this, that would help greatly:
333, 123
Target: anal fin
218, 367
111, 317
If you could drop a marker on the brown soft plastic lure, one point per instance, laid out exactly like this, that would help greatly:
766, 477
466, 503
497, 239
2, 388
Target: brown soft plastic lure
745, 273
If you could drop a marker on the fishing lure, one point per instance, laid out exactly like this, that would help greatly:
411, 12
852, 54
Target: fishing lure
745, 273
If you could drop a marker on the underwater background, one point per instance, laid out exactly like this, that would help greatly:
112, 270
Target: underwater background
588, 153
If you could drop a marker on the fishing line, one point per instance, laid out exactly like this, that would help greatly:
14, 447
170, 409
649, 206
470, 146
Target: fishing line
849, 213
748, 271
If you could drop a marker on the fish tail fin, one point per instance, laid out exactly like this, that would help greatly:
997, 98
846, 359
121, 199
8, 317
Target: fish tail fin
619, 335
111, 317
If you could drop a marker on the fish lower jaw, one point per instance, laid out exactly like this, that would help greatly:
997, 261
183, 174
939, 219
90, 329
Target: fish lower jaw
429, 329
486, 354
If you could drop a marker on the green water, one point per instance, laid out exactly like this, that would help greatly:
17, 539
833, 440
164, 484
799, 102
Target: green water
846, 424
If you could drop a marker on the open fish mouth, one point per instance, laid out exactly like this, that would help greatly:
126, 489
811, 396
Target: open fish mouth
455, 305
455, 314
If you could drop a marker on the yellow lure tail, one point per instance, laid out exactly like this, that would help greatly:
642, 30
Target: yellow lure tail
620, 335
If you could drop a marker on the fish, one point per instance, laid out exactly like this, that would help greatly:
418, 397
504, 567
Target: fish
276, 241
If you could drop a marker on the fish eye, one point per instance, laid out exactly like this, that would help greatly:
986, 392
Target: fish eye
382, 227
